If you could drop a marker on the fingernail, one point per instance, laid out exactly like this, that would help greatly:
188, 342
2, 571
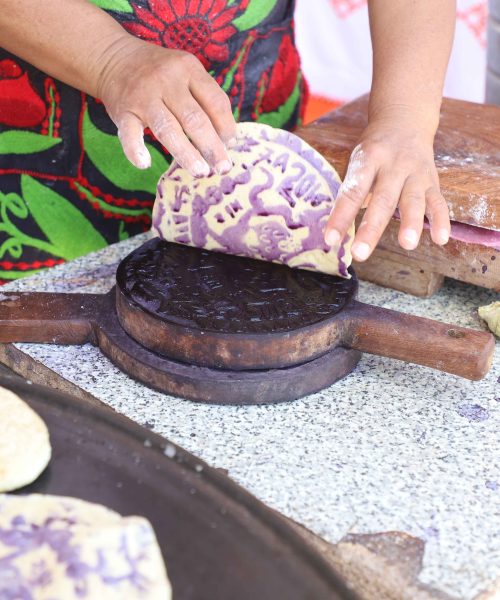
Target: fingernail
200, 169
411, 238
223, 167
443, 236
143, 159
332, 238
360, 250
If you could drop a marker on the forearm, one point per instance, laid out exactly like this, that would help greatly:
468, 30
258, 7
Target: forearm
411, 46
68, 39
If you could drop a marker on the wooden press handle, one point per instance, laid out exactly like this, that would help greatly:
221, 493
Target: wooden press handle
464, 352
40, 317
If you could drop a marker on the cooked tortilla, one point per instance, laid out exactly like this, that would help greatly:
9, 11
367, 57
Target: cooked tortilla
24, 443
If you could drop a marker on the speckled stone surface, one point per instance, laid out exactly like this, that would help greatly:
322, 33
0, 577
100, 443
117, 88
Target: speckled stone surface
391, 447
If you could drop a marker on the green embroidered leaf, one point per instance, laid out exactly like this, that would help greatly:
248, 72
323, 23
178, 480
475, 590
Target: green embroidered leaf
25, 142
13, 205
116, 5
117, 210
106, 153
284, 112
52, 108
123, 234
228, 80
70, 233
256, 12
17, 274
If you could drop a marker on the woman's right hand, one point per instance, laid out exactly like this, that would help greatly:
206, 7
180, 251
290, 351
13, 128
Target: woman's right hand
144, 85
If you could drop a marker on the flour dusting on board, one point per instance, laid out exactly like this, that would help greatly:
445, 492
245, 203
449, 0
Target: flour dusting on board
11, 298
480, 207
479, 164
476, 210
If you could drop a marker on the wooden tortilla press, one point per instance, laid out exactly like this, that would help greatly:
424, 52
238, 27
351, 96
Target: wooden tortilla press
223, 329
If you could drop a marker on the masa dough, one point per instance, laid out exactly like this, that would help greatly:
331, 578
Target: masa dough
273, 205
24, 443
57, 548
491, 314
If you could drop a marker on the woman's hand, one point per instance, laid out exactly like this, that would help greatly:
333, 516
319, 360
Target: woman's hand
169, 91
141, 85
392, 167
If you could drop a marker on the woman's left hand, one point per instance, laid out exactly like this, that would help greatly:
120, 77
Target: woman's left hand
392, 167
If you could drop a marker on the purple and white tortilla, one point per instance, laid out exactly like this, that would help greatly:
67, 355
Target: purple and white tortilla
273, 205
64, 548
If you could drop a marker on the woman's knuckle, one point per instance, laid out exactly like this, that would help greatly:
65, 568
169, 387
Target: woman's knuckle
371, 228
164, 74
385, 201
435, 199
188, 61
220, 102
223, 99
352, 195
193, 119
373, 151
413, 198
183, 157
166, 132
162, 126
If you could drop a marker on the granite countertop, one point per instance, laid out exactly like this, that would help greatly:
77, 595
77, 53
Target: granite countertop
392, 447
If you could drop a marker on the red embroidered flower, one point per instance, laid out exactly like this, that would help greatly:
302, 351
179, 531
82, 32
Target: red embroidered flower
283, 76
20, 105
201, 27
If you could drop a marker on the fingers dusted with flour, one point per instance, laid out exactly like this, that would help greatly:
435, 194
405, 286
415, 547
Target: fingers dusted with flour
438, 215
170, 92
392, 169
131, 136
215, 102
351, 196
381, 208
412, 212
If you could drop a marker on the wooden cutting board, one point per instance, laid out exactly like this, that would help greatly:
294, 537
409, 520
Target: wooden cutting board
467, 152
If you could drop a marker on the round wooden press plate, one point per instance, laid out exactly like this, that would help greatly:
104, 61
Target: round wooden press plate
227, 312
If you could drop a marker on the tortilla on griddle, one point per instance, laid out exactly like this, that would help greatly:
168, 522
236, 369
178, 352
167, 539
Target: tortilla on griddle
24, 443
54, 547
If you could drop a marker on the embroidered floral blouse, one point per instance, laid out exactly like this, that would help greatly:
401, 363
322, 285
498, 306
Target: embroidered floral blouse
66, 187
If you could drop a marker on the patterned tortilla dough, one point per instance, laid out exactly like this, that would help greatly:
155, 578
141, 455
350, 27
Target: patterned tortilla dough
24, 443
273, 205
58, 548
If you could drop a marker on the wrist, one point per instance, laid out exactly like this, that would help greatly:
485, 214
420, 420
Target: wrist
423, 121
110, 60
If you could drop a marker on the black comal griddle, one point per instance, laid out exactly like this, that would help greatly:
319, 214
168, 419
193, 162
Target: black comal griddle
218, 541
